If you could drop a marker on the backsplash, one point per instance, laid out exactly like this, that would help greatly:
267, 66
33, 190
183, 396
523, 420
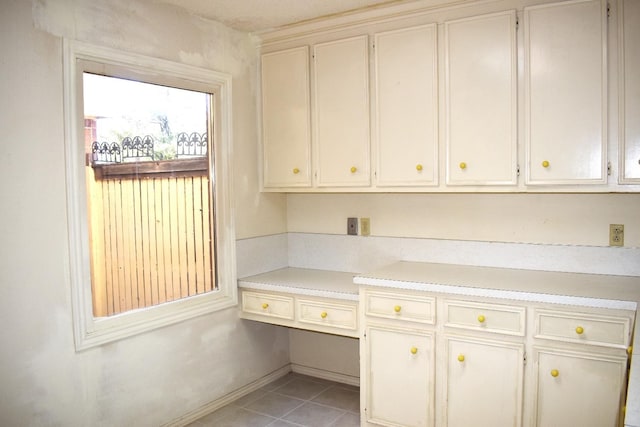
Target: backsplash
261, 254
360, 254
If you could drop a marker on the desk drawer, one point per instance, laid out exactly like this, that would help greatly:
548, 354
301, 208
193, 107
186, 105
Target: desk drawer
584, 328
399, 306
268, 305
501, 319
344, 316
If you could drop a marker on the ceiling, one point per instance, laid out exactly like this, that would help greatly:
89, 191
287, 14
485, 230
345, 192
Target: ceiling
257, 15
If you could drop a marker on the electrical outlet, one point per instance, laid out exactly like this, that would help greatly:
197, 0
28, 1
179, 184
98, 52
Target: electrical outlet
365, 226
616, 234
352, 226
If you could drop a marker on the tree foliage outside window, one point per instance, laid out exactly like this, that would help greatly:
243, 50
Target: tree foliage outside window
123, 108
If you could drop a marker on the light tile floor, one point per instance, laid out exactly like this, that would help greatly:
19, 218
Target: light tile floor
293, 400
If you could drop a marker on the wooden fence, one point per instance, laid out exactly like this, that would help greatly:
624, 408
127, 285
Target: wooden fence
151, 240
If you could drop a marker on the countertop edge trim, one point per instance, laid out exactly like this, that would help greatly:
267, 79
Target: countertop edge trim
298, 290
499, 293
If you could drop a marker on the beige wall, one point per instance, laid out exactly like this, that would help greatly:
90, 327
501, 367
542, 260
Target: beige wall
332, 354
157, 376
565, 219
556, 219
150, 378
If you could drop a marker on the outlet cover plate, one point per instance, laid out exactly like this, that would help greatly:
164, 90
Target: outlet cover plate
352, 226
616, 234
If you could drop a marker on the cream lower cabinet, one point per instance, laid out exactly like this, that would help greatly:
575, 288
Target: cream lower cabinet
432, 359
483, 382
578, 388
483, 345
579, 381
400, 383
397, 359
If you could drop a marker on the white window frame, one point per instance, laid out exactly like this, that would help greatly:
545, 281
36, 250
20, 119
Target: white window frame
79, 57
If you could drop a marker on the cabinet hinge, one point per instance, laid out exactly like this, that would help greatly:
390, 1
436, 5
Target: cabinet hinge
518, 170
517, 24
524, 358
608, 168
608, 10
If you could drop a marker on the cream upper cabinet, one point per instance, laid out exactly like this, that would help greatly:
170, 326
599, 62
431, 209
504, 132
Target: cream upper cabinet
482, 97
341, 112
629, 63
484, 382
286, 119
406, 107
480, 86
578, 388
566, 92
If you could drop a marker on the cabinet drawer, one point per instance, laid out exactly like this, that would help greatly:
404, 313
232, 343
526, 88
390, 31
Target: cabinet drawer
585, 328
268, 305
389, 305
328, 314
501, 319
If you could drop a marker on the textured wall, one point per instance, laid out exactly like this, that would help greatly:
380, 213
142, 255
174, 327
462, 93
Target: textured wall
565, 219
154, 377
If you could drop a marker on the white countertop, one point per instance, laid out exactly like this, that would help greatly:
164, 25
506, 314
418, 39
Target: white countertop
589, 290
319, 283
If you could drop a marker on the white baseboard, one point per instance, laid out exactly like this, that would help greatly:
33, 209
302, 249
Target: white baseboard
228, 398
326, 375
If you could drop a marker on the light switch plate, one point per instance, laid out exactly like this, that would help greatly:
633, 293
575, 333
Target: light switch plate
365, 226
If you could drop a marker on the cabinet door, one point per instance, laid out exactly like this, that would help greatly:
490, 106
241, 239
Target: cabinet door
578, 389
629, 21
480, 100
566, 92
484, 383
286, 128
406, 107
342, 112
399, 369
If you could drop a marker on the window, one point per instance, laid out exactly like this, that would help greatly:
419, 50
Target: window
150, 214
150, 226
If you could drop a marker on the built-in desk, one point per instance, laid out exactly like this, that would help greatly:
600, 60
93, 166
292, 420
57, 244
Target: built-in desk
433, 302
316, 300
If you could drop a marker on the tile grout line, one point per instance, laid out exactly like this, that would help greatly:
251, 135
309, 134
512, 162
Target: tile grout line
325, 385
304, 401
310, 401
